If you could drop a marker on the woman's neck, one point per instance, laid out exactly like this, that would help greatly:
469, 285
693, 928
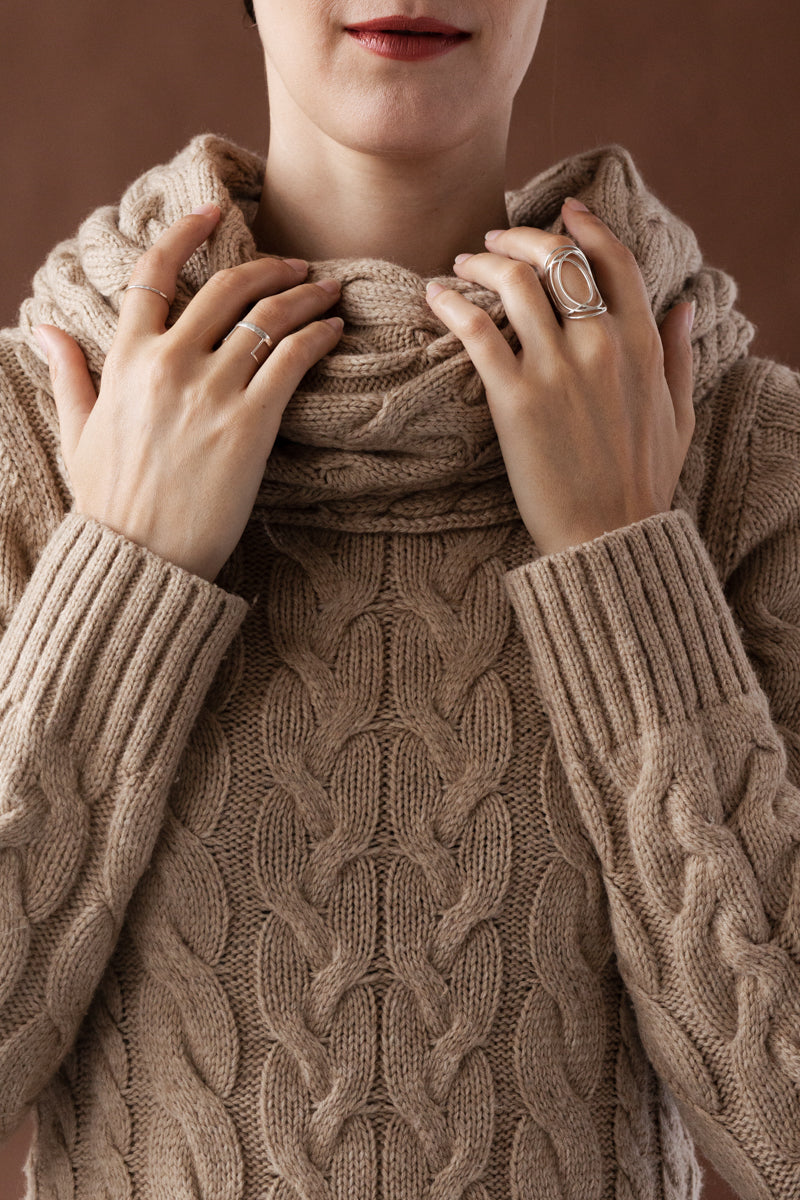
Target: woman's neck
325, 201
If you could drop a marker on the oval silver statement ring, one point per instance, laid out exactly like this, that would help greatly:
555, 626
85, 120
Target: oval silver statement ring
146, 288
264, 340
591, 305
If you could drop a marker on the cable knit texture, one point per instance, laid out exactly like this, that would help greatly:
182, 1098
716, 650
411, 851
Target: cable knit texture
402, 862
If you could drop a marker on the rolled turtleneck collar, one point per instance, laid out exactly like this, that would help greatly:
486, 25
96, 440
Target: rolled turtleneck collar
391, 430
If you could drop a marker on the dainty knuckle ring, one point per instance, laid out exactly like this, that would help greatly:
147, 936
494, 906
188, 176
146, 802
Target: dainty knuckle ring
575, 308
147, 288
263, 340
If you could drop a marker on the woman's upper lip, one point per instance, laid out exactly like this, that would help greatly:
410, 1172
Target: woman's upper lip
414, 24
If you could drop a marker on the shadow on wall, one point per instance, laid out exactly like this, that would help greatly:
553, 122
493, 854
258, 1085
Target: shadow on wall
12, 1158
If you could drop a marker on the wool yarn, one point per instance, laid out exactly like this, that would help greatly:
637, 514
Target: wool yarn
401, 861
392, 426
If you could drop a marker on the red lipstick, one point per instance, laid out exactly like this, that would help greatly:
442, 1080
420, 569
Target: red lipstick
407, 38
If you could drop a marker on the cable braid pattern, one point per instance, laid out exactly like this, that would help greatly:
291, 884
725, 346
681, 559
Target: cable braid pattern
179, 922
49, 1171
561, 1035
312, 867
638, 1153
44, 832
453, 832
107, 1069
76, 825
688, 860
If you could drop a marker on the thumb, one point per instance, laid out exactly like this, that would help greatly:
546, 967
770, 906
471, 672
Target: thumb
675, 333
73, 390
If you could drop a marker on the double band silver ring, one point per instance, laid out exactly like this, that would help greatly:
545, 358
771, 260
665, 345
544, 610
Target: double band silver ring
591, 305
263, 336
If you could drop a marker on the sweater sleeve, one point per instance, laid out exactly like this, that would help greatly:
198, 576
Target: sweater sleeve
675, 705
106, 656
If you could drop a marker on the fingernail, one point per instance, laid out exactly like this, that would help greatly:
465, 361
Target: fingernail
299, 264
492, 234
329, 285
571, 202
433, 289
462, 257
690, 314
336, 322
205, 210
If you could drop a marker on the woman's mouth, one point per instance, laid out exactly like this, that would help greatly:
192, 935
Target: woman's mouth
407, 38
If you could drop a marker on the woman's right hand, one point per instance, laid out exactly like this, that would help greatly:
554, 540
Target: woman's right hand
172, 450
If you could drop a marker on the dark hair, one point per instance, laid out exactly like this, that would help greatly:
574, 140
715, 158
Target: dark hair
248, 4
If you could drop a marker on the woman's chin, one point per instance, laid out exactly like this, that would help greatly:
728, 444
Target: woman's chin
401, 136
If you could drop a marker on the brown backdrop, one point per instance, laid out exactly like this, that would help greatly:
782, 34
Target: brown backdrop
703, 92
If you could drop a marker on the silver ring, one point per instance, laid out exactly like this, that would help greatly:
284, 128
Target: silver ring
264, 339
570, 306
146, 288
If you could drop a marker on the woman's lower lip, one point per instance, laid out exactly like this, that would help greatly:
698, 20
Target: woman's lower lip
406, 45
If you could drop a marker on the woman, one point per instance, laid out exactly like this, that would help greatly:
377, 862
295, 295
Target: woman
391, 805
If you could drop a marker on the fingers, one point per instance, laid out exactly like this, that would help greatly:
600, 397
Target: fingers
228, 297
675, 334
145, 311
229, 294
73, 390
268, 293
483, 341
289, 362
514, 268
613, 265
519, 286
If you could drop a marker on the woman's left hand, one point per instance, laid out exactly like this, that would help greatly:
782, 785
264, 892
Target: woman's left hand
594, 416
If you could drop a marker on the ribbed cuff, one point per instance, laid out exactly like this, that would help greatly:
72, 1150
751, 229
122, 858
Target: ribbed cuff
629, 631
113, 646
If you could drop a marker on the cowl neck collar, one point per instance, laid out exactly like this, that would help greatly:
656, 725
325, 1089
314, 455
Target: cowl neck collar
391, 430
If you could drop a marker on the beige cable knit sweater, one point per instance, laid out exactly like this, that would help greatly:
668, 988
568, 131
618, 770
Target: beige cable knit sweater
402, 862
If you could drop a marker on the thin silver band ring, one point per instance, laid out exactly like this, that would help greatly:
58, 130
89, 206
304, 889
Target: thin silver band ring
146, 288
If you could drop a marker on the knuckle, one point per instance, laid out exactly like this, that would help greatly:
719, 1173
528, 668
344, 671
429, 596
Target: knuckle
649, 347
158, 376
293, 352
477, 325
224, 281
263, 314
281, 276
113, 366
559, 243
515, 272
600, 345
624, 256
323, 294
164, 367
153, 263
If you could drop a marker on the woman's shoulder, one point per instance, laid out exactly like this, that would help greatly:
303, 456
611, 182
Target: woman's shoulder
79, 286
